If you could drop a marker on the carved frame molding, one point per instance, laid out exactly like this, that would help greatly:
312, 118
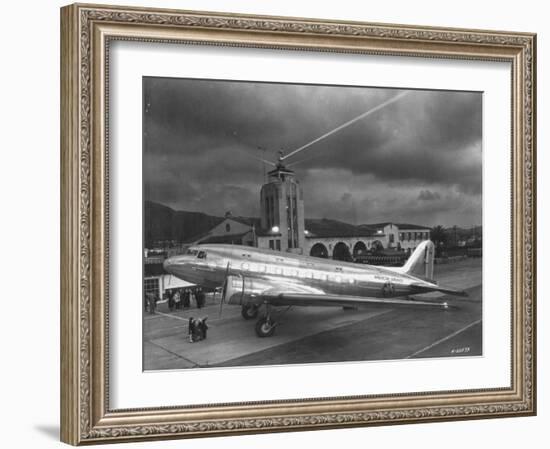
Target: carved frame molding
87, 31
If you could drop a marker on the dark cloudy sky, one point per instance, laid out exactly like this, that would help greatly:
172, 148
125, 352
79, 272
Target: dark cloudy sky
416, 160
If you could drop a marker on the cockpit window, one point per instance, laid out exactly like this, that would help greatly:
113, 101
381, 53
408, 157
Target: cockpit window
202, 255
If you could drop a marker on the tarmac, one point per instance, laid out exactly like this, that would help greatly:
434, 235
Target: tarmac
324, 334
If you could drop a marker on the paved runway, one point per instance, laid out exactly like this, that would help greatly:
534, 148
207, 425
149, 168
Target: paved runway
325, 334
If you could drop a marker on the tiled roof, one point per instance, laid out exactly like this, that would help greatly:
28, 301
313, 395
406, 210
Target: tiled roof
248, 221
333, 228
226, 238
399, 225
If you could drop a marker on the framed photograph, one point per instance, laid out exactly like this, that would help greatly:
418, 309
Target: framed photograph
280, 224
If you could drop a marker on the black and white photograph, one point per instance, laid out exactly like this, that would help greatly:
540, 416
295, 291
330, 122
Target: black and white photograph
298, 223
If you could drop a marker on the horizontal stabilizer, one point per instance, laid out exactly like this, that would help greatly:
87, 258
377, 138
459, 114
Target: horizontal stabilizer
421, 288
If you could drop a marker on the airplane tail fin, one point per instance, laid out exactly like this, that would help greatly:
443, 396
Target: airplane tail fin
421, 262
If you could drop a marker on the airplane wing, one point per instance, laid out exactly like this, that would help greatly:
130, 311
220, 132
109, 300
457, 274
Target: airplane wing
251, 290
301, 299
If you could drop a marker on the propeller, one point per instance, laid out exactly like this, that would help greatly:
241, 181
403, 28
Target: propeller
224, 288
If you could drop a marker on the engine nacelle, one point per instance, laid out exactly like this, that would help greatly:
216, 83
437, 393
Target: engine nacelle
242, 290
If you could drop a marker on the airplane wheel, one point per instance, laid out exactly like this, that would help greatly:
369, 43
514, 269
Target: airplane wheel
249, 311
265, 327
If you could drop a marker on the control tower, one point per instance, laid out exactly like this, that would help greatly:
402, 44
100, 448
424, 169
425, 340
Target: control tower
282, 209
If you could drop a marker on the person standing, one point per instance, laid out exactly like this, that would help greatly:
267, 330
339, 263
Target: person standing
170, 301
191, 329
197, 298
203, 328
203, 298
186, 298
177, 300
151, 302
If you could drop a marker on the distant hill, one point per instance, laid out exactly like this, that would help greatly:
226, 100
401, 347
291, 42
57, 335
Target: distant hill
165, 223
162, 223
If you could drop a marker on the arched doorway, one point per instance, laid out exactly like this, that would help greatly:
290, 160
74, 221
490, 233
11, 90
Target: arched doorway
377, 246
341, 252
319, 250
359, 248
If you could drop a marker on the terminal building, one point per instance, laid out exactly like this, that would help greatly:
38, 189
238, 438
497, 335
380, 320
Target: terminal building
282, 226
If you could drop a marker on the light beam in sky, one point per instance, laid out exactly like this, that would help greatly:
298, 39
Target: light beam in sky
348, 123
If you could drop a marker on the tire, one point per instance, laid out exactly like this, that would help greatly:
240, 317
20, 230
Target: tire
249, 311
265, 328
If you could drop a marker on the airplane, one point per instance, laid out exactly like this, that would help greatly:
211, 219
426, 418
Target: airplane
254, 277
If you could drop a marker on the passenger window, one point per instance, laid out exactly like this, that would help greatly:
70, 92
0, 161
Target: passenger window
202, 255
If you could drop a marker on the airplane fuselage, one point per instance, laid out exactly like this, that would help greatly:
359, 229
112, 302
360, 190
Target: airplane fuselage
209, 265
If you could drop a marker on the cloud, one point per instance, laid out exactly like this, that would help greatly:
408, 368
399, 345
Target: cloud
203, 140
428, 195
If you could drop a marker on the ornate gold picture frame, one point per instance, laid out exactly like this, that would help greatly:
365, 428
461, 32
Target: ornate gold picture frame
87, 32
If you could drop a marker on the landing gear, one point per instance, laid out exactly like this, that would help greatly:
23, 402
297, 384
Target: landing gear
265, 327
249, 311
